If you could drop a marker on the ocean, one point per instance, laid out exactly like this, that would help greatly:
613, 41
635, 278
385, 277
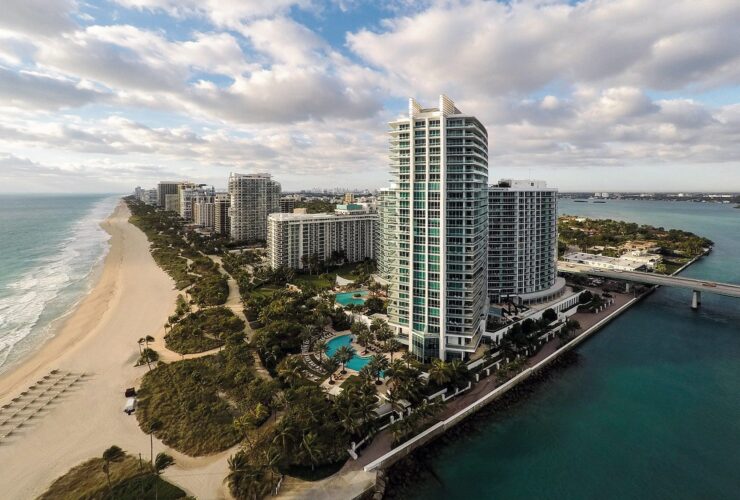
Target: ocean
650, 408
51, 251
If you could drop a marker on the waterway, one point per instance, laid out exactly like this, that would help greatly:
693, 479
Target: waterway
650, 409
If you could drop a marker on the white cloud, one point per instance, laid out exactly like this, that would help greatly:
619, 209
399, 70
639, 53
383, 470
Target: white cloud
492, 48
37, 17
26, 89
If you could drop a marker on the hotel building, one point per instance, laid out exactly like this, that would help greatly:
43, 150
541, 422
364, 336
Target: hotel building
253, 197
291, 238
522, 242
436, 254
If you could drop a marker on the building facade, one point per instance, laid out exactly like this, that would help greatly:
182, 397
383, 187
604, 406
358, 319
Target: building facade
253, 197
522, 242
287, 205
204, 209
386, 232
189, 193
221, 204
172, 202
163, 189
294, 238
437, 254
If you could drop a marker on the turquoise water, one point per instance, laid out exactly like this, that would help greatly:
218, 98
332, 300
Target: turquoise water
346, 298
49, 248
651, 408
357, 362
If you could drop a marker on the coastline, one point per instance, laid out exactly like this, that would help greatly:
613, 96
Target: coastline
60, 336
96, 343
506, 394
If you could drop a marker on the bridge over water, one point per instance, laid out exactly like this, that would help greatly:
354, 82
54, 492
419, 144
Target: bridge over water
696, 286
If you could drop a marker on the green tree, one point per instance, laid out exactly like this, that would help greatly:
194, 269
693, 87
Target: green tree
378, 364
111, 455
321, 346
439, 373
343, 355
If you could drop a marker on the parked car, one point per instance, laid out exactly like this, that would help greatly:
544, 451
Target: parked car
130, 392
130, 406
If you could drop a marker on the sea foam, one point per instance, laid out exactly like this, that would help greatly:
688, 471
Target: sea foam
53, 286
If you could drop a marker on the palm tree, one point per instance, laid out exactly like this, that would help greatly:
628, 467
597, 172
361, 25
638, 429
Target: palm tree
458, 372
291, 369
364, 338
343, 355
331, 365
321, 347
391, 346
309, 443
244, 479
154, 426
162, 461
378, 363
439, 373
409, 358
112, 454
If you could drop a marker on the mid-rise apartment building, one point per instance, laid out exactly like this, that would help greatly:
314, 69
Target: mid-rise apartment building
294, 238
437, 252
522, 242
253, 198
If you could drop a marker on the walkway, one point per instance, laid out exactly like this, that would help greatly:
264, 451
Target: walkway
234, 302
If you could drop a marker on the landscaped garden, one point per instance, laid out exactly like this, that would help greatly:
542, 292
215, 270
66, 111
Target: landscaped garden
115, 476
203, 330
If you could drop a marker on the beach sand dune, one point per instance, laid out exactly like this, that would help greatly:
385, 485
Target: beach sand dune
133, 298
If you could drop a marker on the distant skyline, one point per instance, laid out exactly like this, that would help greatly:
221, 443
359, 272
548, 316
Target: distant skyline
596, 95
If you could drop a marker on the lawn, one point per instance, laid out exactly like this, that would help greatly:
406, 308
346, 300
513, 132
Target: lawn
130, 478
320, 281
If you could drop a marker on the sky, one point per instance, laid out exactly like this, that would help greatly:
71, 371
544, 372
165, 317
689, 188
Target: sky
593, 95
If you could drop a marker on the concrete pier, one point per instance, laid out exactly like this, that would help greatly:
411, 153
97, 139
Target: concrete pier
696, 299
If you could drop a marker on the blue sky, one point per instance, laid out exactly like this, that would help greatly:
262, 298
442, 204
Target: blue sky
102, 95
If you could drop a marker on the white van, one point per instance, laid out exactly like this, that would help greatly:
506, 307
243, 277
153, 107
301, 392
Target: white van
130, 406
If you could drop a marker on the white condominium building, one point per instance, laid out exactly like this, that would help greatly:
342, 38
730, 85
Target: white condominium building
204, 209
436, 255
188, 192
253, 198
385, 239
163, 189
522, 242
294, 238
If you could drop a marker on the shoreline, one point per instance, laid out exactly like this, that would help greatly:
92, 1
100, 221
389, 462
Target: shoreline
44, 434
58, 335
407, 456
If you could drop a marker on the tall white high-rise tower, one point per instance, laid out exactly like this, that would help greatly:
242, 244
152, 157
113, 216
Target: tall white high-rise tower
435, 260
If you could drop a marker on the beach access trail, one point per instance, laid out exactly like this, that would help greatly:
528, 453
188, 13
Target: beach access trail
50, 426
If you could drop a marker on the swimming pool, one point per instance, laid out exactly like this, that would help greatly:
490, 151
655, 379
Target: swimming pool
346, 298
357, 362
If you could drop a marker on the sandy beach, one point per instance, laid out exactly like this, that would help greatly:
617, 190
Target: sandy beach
78, 414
